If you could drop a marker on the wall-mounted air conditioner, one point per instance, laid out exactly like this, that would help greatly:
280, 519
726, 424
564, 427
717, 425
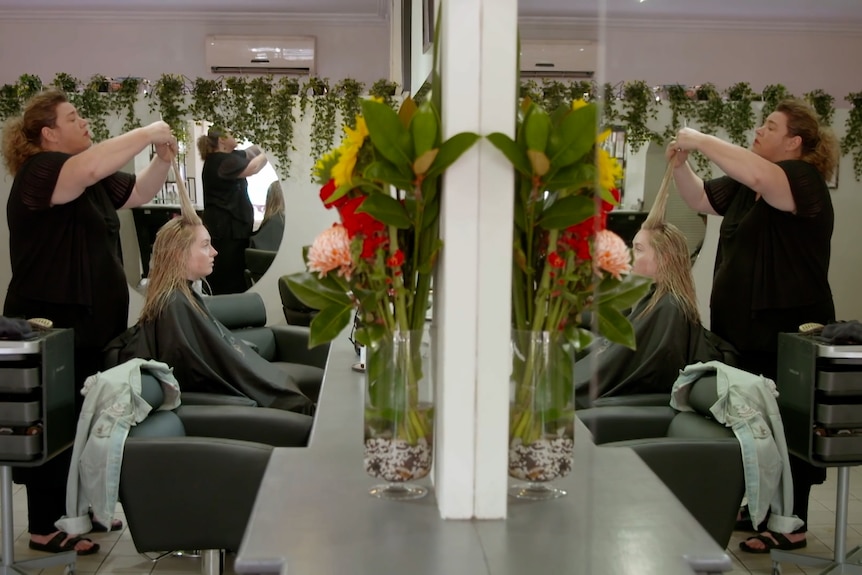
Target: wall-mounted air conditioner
261, 54
558, 58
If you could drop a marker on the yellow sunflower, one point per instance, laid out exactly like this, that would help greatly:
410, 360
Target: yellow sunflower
608, 169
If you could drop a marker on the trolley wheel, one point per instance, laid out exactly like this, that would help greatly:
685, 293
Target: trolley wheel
776, 568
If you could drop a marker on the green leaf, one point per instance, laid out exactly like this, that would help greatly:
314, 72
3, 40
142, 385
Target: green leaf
451, 150
513, 152
566, 212
329, 323
537, 128
424, 129
383, 171
571, 177
386, 209
615, 326
625, 293
576, 135
310, 291
387, 133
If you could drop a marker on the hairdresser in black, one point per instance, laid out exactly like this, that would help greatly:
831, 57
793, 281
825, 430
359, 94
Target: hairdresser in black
228, 213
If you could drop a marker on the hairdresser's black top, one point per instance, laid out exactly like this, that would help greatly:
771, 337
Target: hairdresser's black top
228, 212
771, 270
67, 254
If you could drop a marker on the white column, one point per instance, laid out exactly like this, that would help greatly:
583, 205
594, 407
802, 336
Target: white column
478, 66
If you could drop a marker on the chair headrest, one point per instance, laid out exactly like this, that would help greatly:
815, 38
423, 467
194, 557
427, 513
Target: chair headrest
238, 310
288, 298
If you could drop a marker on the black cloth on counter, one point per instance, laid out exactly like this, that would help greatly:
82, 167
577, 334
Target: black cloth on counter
843, 332
207, 357
666, 342
14, 329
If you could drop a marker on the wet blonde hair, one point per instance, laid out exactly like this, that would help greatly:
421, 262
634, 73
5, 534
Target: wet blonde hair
274, 201
22, 135
673, 269
819, 144
169, 267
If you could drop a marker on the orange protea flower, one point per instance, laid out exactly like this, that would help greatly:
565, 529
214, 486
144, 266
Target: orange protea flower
611, 254
331, 251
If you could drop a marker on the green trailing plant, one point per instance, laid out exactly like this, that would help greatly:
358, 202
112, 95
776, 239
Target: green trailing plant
582, 90
851, 143
28, 86
682, 109
739, 115
94, 105
66, 83
259, 114
710, 116
323, 124
823, 104
206, 103
530, 89
314, 86
10, 105
555, 94
772, 95
167, 97
282, 106
349, 92
123, 102
610, 115
639, 106
385, 89
236, 102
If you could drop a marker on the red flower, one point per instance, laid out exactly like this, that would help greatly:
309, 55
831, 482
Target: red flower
326, 192
396, 259
555, 260
358, 223
606, 207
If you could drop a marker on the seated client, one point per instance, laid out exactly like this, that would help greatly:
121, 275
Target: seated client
667, 327
175, 327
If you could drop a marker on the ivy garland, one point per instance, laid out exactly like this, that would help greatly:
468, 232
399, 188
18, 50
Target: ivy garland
264, 111
739, 116
851, 143
823, 103
639, 105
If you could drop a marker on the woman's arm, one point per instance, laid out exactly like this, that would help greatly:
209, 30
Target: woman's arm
688, 183
766, 178
254, 166
151, 179
103, 159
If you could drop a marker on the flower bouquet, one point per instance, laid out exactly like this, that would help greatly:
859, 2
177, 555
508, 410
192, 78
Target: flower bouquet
378, 260
565, 263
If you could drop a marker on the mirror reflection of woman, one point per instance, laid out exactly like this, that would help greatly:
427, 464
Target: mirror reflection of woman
228, 213
64, 250
268, 235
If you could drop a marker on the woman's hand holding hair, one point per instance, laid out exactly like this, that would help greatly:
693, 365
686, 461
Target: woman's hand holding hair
167, 151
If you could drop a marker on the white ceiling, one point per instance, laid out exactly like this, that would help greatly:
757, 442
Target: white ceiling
838, 11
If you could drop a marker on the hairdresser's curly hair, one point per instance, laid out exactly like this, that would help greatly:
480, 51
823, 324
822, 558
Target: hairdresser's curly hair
22, 135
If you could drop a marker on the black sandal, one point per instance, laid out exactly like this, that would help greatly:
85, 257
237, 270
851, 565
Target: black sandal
781, 542
56, 545
116, 525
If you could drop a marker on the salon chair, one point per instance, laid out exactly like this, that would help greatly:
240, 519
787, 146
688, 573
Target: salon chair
190, 476
295, 312
697, 458
257, 262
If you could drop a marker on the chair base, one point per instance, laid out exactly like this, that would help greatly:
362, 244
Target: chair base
841, 562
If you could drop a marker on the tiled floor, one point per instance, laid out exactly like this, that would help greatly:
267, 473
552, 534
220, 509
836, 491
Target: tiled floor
118, 555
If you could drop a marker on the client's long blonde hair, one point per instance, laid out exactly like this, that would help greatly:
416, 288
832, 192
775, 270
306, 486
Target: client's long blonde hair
169, 266
673, 268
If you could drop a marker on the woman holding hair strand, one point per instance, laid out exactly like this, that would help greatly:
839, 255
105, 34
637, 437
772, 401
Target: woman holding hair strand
64, 251
773, 252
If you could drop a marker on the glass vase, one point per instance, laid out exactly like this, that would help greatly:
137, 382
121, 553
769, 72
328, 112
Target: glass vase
399, 414
541, 413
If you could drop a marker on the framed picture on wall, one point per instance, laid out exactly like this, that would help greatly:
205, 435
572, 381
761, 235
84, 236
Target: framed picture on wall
427, 24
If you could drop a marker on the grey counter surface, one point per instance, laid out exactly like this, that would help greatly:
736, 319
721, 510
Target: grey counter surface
313, 514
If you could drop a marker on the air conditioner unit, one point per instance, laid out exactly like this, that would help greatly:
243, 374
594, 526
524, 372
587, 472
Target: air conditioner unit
261, 54
558, 58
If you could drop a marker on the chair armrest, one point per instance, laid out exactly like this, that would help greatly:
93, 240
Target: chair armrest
269, 426
217, 478
203, 398
618, 423
291, 345
636, 399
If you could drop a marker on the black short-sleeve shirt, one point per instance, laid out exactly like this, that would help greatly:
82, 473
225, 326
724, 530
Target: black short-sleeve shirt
771, 270
67, 254
228, 212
